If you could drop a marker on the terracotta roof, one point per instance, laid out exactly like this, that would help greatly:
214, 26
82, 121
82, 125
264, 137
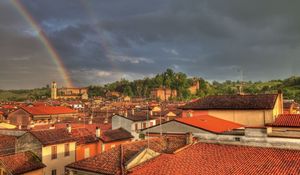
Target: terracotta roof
109, 161
209, 123
211, 159
83, 136
90, 127
53, 136
21, 163
48, 110
237, 102
287, 120
138, 116
8, 107
115, 135
7, 144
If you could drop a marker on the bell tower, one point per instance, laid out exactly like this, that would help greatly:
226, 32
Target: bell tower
54, 90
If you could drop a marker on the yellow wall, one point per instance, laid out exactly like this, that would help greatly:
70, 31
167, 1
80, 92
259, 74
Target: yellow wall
244, 117
251, 117
36, 172
61, 161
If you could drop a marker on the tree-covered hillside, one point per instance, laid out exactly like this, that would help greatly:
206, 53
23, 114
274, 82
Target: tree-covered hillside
181, 82
175, 80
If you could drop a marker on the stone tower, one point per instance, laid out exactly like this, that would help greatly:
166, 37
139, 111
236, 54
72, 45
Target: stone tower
54, 90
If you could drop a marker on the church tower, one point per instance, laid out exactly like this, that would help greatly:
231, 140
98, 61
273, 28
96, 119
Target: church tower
54, 90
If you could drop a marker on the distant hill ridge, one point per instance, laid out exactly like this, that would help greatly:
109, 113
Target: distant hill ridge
173, 80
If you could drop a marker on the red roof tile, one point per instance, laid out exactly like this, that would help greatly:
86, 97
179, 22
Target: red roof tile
109, 161
210, 123
90, 127
7, 144
212, 159
83, 136
287, 120
21, 163
48, 110
53, 136
115, 135
237, 102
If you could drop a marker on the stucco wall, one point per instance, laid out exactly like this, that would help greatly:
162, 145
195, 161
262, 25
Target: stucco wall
36, 172
19, 117
95, 148
118, 122
174, 127
244, 117
28, 142
61, 161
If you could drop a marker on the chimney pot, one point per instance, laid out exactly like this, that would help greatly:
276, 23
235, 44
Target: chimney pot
69, 128
98, 132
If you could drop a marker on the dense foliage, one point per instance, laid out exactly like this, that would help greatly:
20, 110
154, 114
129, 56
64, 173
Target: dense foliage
173, 80
25, 94
180, 82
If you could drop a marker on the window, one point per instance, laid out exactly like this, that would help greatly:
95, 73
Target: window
237, 139
151, 123
86, 152
136, 126
53, 172
53, 152
67, 150
144, 125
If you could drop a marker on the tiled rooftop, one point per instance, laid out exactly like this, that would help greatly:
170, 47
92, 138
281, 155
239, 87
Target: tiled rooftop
7, 144
109, 162
287, 120
210, 123
238, 102
115, 135
53, 136
21, 163
216, 159
48, 110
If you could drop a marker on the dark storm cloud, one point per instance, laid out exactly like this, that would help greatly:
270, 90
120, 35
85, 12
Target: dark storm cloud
102, 41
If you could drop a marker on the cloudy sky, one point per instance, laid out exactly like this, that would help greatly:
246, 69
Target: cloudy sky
102, 41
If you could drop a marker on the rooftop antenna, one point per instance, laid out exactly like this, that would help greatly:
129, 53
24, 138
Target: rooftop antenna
160, 119
148, 142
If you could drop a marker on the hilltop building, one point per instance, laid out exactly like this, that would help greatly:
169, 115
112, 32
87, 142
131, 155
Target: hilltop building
68, 92
163, 94
195, 87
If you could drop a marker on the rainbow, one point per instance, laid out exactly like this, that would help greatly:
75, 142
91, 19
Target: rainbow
43, 38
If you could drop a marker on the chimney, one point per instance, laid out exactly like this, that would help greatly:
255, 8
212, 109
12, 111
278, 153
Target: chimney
280, 101
32, 125
52, 126
132, 111
189, 138
98, 132
69, 128
105, 121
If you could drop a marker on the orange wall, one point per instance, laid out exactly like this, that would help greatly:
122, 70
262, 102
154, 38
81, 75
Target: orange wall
95, 148
108, 146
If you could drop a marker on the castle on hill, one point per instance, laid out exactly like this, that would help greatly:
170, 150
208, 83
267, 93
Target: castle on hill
68, 92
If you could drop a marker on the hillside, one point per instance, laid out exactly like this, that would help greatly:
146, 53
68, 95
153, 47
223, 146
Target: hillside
173, 80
